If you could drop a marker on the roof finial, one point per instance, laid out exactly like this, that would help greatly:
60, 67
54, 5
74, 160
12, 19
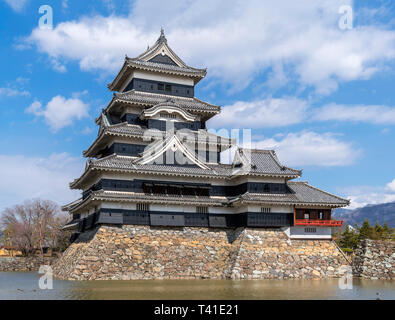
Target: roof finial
162, 35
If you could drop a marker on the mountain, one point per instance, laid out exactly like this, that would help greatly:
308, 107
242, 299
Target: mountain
380, 213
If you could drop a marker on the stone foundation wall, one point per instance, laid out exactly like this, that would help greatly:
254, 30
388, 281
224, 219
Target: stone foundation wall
143, 252
22, 264
375, 259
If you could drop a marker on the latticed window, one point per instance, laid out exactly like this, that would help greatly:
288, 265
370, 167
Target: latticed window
142, 207
168, 115
202, 209
266, 210
310, 230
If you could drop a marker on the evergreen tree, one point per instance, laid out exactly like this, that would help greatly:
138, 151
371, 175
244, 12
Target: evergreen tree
377, 232
349, 239
386, 231
365, 232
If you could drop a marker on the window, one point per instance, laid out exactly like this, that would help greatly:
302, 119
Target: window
266, 210
168, 88
161, 86
266, 188
201, 209
321, 215
307, 216
142, 207
310, 230
168, 115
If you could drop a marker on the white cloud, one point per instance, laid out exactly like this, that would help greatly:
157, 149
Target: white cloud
391, 186
359, 113
261, 113
299, 38
17, 5
29, 177
9, 92
60, 112
361, 196
309, 148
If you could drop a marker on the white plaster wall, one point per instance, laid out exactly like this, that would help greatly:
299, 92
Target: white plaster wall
299, 233
276, 209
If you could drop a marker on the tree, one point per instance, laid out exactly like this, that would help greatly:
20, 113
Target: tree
33, 225
386, 231
349, 239
365, 232
377, 232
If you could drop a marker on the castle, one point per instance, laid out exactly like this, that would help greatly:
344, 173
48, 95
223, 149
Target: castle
154, 170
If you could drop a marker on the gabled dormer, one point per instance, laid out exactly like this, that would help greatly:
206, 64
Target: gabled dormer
158, 70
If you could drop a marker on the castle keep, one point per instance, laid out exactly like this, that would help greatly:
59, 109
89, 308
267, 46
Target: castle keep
154, 173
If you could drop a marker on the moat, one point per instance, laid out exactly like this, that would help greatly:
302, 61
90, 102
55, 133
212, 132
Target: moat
24, 286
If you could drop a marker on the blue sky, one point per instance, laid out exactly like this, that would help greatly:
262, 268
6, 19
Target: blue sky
320, 95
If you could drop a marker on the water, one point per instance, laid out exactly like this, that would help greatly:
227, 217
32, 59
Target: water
24, 285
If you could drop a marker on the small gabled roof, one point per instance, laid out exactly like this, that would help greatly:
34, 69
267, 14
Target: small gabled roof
159, 58
172, 142
261, 161
169, 107
161, 47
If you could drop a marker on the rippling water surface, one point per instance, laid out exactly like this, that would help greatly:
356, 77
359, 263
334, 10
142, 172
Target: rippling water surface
25, 286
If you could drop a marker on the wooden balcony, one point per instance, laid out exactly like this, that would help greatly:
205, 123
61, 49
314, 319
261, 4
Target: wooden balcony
318, 223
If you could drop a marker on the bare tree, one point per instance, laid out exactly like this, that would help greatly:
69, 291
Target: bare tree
34, 225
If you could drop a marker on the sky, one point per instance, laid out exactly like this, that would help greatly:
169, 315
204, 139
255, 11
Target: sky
313, 80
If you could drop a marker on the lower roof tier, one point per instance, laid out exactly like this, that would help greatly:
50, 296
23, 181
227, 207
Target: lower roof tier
302, 195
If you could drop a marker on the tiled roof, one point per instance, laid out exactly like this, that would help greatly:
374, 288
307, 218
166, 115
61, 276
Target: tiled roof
118, 196
161, 44
131, 130
303, 194
145, 62
127, 163
134, 62
262, 161
152, 99
128, 196
223, 171
307, 193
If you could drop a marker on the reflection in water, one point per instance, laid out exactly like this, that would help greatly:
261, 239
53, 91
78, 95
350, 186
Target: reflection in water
25, 286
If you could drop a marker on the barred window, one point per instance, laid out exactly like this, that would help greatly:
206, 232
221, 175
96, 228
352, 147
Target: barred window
142, 207
168, 115
201, 209
310, 230
266, 210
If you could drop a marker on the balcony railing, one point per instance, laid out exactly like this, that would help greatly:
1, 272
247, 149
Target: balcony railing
324, 223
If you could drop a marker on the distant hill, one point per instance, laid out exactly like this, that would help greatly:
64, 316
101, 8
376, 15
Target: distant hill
380, 213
